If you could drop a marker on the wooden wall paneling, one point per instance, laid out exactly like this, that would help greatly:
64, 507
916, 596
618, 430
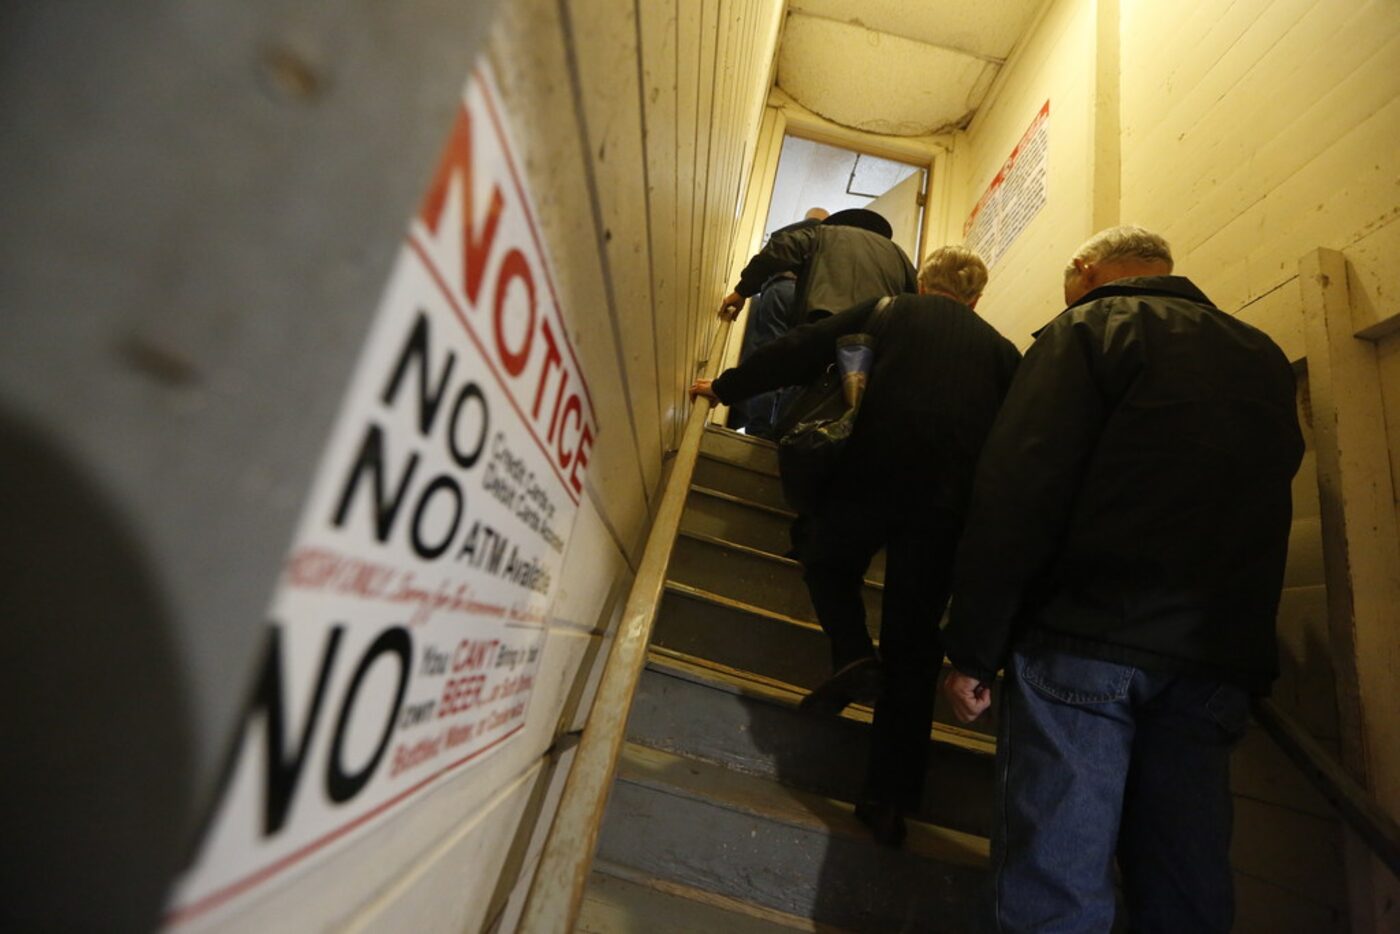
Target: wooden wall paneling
1057, 62
760, 27
1183, 73
1304, 567
766, 19
1361, 547
454, 887
749, 34
714, 79
1345, 192
1340, 191
1301, 852
758, 33
1276, 312
729, 70
609, 98
1388, 361
1107, 149
1374, 285
1306, 686
1307, 506
690, 24
1300, 101
531, 62
657, 24
1307, 681
559, 758
549, 788
1267, 908
748, 237
704, 299
748, 38
1152, 43
1203, 128
1261, 771
1219, 258
1265, 137
714, 76
581, 601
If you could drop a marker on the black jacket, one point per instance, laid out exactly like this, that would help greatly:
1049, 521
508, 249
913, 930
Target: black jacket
1133, 502
836, 266
940, 373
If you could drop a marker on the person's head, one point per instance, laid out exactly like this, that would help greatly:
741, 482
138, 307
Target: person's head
954, 271
816, 214
863, 218
1113, 254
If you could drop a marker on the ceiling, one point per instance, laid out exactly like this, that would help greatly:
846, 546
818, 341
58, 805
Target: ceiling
899, 67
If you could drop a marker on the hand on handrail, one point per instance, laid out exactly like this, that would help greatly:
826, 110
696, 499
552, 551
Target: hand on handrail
730, 306
701, 387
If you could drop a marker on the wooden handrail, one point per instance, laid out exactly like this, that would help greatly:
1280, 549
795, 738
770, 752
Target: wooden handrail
1362, 814
557, 890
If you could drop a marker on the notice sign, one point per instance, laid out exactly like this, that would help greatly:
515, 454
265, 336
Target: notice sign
405, 633
1014, 197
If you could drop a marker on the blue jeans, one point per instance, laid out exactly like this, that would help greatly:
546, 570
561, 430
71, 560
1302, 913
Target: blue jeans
769, 319
1096, 758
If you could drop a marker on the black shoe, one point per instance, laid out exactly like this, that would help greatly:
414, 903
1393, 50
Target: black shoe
886, 822
854, 683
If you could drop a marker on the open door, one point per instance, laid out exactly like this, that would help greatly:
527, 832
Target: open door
900, 206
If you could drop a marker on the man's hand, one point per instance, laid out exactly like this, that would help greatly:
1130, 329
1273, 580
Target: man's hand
701, 387
970, 698
729, 308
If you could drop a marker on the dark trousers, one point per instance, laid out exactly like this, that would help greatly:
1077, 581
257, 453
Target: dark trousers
1096, 760
838, 543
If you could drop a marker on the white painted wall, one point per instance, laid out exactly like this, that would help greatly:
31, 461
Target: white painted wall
1055, 61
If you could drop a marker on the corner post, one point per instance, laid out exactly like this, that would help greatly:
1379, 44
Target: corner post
1361, 554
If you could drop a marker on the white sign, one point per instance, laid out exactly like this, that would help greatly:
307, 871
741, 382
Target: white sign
1014, 197
404, 636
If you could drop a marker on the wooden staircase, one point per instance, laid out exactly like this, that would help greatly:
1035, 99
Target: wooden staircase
731, 810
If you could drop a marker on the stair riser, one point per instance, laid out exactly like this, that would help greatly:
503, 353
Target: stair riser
825, 755
843, 881
746, 525
742, 640
736, 522
752, 579
760, 644
613, 906
728, 478
727, 446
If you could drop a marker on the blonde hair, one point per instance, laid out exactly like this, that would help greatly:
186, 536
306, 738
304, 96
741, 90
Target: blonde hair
955, 270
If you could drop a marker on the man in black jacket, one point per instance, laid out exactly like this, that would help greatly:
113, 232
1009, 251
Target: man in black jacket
773, 314
903, 482
1123, 561
846, 259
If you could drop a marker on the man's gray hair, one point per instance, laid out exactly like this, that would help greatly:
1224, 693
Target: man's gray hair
1119, 243
955, 270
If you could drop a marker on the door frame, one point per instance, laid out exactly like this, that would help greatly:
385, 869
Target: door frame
784, 117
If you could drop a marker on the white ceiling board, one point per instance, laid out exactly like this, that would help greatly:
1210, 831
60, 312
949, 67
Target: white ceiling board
878, 82
988, 28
